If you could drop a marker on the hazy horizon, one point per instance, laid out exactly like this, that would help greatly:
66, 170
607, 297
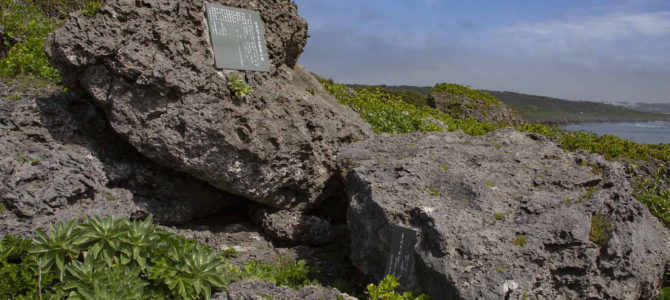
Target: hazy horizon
606, 51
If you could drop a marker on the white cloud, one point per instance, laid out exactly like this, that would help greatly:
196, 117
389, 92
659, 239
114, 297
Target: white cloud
605, 28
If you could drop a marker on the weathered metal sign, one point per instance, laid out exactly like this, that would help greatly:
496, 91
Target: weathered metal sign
401, 256
238, 38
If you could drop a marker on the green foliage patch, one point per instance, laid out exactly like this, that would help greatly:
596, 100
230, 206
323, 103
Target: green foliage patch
108, 259
25, 27
239, 87
457, 89
600, 230
520, 240
123, 259
654, 192
386, 290
388, 113
287, 272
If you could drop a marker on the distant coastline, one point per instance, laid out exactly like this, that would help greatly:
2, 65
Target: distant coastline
642, 132
584, 122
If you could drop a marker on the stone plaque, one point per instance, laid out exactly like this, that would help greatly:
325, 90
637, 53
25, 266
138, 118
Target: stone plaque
238, 38
401, 257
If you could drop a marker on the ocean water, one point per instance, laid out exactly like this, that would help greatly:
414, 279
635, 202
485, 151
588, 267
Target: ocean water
641, 132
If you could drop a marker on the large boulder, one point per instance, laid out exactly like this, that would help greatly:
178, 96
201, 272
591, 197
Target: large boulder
485, 108
149, 65
507, 215
60, 160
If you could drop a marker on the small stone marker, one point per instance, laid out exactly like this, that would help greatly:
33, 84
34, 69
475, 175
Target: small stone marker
401, 256
238, 38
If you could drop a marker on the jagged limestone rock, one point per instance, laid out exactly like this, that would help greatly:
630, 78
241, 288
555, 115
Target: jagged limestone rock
506, 215
60, 160
257, 290
149, 65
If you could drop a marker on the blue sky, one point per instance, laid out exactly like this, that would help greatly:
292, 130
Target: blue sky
601, 50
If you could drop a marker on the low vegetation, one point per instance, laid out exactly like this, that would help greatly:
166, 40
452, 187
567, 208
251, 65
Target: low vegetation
466, 91
520, 240
601, 228
25, 27
386, 290
239, 87
122, 259
388, 113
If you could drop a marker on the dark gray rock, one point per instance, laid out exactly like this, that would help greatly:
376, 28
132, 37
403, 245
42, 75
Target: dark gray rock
249, 242
507, 215
59, 160
257, 290
462, 107
290, 227
149, 66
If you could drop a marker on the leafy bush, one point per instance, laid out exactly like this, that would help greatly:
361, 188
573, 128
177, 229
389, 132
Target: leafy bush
665, 294
287, 272
123, 259
466, 91
386, 291
109, 259
654, 193
520, 240
238, 86
388, 113
26, 25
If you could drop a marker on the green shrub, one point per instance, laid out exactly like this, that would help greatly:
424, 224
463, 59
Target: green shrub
664, 294
600, 230
109, 259
91, 9
238, 86
388, 113
652, 191
26, 25
520, 240
386, 291
287, 272
499, 216
466, 91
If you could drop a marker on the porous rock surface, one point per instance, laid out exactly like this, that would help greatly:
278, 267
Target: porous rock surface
473, 200
290, 227
149, 65
462, 107
257, 290
60, 160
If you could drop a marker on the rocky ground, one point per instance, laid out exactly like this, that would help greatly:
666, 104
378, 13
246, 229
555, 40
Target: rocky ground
505, 215
287, 171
